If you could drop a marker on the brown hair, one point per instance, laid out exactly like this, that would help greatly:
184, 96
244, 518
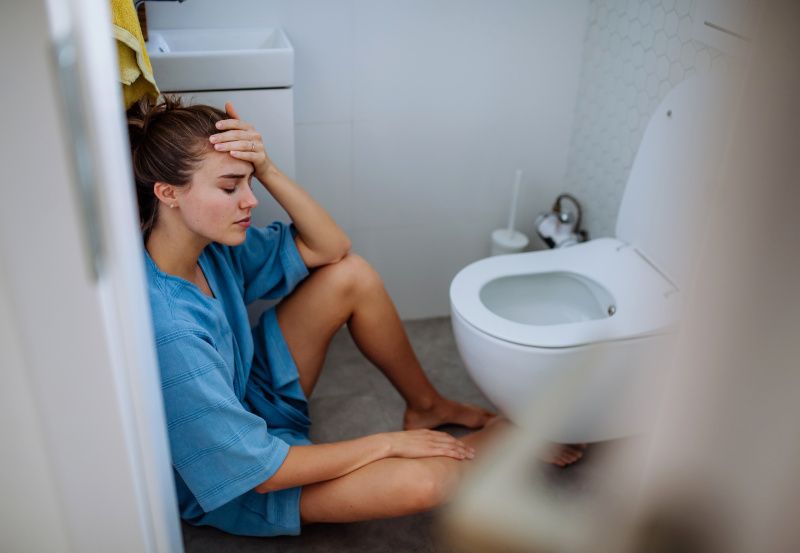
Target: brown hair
168, 140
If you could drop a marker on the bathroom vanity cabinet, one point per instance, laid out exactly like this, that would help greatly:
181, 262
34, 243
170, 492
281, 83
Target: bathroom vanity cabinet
269, 110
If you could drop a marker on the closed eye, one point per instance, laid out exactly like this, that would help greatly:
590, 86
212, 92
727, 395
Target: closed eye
237, 177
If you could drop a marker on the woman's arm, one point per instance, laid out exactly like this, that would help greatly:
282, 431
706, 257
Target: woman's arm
307, 464
319, 239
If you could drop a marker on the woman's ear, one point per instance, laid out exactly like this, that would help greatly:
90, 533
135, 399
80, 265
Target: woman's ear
165, 193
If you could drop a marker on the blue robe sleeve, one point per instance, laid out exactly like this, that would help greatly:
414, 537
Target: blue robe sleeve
268, 262
220, 449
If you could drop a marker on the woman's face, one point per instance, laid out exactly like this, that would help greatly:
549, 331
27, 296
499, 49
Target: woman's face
217, 204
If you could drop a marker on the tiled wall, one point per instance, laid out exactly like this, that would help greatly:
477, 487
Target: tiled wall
413, 115
635, 52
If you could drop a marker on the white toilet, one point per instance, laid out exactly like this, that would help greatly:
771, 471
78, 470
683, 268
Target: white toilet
604, 309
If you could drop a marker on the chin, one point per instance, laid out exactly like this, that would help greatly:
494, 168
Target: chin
233, 240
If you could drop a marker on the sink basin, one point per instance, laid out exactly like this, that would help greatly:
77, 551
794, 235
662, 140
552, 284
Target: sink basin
220, 59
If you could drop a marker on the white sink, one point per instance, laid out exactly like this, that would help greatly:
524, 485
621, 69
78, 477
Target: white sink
220, 59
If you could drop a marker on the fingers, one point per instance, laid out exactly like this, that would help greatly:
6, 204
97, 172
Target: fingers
252, 157
430, 443
455, 453
229, 124
240, 145
240, 139
236, 134
447, 445
230, 111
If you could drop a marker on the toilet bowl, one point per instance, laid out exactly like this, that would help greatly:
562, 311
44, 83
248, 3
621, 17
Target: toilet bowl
602, 312
598, 310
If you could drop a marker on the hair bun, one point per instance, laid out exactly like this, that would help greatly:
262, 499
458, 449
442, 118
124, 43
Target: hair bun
142, 114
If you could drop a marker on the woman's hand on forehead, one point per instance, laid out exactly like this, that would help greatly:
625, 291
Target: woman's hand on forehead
242, 141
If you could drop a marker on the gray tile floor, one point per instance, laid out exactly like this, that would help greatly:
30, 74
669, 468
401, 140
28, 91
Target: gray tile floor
352, 398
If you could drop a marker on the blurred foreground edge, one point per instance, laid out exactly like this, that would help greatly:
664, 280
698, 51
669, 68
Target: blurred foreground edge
718, 474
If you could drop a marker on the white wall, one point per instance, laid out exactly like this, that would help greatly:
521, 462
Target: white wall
635, 52
412, 116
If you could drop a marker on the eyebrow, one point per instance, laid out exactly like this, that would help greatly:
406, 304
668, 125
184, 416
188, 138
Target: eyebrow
236, 175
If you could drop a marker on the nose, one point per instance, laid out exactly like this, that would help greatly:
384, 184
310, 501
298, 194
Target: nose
249, 200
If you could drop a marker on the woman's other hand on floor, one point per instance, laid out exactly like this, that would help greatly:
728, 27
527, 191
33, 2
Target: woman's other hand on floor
412, 444
242, 141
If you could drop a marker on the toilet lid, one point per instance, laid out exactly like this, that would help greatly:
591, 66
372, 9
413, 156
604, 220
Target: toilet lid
670, 186
644, 302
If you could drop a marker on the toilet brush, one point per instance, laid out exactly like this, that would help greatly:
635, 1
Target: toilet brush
508, 240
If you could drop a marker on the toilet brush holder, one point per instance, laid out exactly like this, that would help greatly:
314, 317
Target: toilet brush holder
507, 240
504, 242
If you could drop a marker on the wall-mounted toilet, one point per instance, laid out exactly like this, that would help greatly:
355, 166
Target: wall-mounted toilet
604, 309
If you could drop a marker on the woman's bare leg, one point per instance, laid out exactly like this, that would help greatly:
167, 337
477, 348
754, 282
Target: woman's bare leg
351, 291
392, 487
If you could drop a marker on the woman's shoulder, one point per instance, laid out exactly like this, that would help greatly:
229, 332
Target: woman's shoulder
181, 313
177, 308
181, 320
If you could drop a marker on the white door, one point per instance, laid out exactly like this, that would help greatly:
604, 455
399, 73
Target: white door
85, 459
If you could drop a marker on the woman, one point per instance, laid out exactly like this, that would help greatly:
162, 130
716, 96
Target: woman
236, 397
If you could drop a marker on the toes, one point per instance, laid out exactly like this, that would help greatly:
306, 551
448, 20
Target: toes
566, 455
570, 455
486, 417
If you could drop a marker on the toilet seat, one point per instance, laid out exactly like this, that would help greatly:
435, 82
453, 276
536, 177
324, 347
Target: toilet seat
646, 302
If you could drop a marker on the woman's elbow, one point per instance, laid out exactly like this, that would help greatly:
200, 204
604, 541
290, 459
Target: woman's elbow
341, 251
345, 249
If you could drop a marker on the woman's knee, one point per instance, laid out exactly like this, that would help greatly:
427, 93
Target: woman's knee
353, 275
432, 482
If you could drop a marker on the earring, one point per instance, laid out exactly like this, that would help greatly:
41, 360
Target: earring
172, 205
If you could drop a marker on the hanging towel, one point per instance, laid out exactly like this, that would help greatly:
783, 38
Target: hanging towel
135, 71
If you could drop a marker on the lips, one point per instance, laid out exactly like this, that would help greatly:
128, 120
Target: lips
244, 222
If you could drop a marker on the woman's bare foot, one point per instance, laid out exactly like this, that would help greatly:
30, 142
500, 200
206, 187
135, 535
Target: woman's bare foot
557, 454
563, 455
445, 411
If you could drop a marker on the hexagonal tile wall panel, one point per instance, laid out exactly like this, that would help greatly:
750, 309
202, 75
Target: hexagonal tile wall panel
635, 51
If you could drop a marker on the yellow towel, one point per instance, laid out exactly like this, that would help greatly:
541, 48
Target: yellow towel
135, 71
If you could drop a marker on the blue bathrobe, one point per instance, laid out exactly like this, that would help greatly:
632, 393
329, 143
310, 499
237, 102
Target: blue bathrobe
232, 394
